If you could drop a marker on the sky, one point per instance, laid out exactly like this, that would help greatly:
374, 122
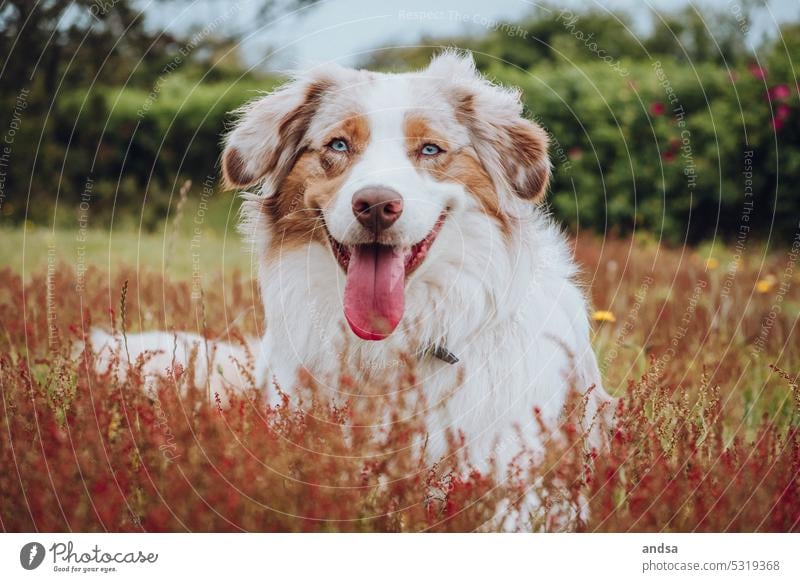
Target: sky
346, 30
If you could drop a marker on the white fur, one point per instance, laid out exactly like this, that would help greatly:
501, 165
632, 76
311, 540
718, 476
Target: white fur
518, 324
507, 306
218, 366
510, 310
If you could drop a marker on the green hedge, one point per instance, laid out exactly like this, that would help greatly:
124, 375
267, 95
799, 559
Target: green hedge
663, 148
617, 146
138, 146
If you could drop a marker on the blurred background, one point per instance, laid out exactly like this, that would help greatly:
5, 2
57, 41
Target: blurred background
675, 146
674, 121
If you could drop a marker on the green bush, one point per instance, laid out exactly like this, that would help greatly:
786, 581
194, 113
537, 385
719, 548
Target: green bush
625, 157
664, 148
618, 147
139, 146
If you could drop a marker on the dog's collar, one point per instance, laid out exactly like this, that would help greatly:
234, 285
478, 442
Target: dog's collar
440, 352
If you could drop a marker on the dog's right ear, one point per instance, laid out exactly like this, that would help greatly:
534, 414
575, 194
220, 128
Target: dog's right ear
512, 149
269, 134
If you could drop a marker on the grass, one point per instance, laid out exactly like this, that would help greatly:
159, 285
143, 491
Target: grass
204, 238
702, 348
216, 254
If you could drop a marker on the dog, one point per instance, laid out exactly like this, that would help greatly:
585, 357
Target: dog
403, 213
397, 214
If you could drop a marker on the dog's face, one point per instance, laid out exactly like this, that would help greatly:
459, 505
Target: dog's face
375, 166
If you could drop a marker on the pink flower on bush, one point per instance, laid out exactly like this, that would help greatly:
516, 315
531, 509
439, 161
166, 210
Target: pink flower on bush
782, 111
781, 115
778, 93
756, 71
657, 109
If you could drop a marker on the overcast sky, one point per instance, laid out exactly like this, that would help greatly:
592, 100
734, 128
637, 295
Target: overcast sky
344, 30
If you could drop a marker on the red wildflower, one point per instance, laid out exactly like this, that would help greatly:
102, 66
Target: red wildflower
575, 153
778, 93
668, 156
782, 111
758, 72
657, 109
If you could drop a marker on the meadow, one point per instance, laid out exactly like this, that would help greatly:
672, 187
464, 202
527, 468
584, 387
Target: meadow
699, 344
684, 148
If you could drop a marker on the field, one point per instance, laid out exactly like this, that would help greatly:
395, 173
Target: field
700, 344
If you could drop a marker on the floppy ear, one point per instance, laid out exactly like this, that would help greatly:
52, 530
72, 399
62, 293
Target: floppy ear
269, 134
512, 149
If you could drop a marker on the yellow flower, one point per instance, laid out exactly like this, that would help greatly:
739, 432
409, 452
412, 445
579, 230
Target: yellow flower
712, 263
766, 284
604, 316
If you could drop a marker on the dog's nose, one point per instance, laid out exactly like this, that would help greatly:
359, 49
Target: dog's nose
377, 208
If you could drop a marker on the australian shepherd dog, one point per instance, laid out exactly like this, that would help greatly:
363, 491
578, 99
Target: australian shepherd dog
403, 214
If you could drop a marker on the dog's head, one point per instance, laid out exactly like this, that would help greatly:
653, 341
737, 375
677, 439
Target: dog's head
375, 166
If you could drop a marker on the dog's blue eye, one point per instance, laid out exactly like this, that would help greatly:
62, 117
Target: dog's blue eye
339, 145
430, 149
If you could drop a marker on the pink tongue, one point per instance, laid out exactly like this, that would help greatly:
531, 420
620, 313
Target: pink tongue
374, 295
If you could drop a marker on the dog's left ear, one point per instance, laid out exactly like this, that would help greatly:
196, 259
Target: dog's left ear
512, 149
270, 132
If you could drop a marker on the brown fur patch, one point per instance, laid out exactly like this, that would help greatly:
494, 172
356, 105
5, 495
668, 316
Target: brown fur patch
311, 185
293, 223
464, 106
526, 150
522, 146
418, 132
234, 172
356, 129
464, 168
291, 130
460, 166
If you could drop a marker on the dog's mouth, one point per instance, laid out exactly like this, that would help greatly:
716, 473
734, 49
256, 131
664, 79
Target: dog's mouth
374, 293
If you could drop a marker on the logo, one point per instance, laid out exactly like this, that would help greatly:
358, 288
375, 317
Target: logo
31, 555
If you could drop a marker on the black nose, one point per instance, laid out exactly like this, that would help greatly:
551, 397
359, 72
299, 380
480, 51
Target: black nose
377, 208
